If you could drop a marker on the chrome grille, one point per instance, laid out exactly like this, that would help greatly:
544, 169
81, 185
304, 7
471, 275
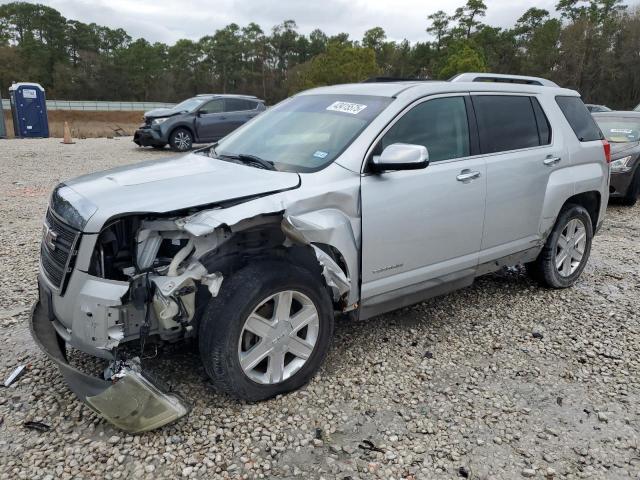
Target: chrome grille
57, 250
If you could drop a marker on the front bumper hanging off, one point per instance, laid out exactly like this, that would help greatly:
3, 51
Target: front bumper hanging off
130, 401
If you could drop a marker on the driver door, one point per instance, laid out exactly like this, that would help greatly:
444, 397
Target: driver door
423, 228
210, 121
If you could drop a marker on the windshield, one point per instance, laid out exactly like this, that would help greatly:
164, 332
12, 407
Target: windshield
189, 104
620, 129
304, 133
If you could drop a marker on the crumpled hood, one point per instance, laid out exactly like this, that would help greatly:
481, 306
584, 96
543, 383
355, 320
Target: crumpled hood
162, 186
161, 112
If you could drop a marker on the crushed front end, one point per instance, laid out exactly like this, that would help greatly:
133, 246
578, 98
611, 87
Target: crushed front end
140, 280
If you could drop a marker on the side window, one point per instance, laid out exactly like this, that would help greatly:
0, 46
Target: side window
238, 105
505, 123
544, 129
581, 121
440, 124
214, 106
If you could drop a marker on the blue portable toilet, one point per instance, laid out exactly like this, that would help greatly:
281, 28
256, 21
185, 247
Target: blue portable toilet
29, 110
3, 127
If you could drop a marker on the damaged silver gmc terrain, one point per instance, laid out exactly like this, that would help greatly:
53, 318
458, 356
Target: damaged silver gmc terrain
355, 198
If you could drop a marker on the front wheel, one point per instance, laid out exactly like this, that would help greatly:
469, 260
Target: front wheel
267, 332
181, 140
566, 250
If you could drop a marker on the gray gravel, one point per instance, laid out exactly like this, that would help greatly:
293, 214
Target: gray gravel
501, 380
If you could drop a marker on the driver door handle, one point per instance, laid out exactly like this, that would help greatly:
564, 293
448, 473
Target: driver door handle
467, 175
551, 161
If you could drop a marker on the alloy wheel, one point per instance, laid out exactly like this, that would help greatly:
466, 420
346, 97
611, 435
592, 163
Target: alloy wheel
183, 141
570, 247
278, 337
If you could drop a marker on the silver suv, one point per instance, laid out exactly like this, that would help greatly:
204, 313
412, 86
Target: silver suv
357, 198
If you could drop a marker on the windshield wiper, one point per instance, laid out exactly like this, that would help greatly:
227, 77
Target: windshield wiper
247, 159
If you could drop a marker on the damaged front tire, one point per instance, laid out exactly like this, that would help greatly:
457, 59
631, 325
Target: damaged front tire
267, 332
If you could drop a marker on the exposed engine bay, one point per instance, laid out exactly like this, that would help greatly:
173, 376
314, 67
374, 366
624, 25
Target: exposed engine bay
173, 272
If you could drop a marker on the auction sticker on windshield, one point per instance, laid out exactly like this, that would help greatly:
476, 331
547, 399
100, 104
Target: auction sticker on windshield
346, 107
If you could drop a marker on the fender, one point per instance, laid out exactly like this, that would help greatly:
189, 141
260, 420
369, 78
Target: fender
564, 184
329, 226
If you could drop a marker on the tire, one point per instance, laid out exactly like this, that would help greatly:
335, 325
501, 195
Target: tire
631, 197
544, 269
159, 147
181, 140
223, 338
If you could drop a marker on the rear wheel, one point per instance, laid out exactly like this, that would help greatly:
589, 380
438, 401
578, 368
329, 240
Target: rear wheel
267, 332
181, 140
566, 250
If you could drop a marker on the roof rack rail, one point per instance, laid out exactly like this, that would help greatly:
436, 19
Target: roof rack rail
501, 78
394, 79
225, 94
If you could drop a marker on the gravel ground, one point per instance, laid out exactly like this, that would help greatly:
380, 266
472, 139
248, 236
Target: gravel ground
501, 380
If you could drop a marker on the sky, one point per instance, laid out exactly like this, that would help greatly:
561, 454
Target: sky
169, 20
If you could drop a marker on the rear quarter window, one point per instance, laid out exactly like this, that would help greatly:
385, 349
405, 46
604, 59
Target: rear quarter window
578, 116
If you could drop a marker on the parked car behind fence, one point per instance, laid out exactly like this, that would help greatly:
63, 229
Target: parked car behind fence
201, 119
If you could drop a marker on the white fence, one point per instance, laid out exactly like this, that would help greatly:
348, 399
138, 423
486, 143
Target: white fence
97, 106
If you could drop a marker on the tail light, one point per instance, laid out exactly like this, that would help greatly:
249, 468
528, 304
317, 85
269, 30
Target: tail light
607, 150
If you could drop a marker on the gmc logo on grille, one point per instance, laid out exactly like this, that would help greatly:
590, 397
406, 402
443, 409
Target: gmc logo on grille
49, 237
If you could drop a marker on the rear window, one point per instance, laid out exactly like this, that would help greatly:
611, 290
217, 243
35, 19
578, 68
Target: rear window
619, 129
506, 123
579, 118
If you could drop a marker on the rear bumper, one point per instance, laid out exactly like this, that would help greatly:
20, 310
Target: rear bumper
148, 137
130, 401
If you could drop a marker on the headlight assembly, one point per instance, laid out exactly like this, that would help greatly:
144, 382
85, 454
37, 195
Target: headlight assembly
73, 208
622, 165
158, 121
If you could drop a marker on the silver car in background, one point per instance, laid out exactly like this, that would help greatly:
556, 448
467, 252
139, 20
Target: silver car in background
357, 199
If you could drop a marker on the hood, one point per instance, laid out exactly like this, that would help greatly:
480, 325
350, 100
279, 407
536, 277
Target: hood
163, 186
161, 112
619, 150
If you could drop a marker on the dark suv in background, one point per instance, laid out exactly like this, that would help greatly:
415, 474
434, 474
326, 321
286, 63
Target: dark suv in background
622, 130
201, 119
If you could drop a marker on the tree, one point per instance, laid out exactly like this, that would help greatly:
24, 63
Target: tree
467, 16
339, 64
439, 26
464, 59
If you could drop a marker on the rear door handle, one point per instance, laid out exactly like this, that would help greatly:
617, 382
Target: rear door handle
551, 161
467, 175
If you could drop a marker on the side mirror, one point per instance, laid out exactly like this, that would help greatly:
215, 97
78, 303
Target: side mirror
401, 156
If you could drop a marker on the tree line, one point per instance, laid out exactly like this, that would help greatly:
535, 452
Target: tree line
589, 45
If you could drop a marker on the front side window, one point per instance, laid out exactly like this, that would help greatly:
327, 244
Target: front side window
304, 133
617, 129
506, 123
440, 124
214, 106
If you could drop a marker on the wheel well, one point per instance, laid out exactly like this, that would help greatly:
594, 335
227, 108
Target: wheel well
184, 127
265, 242
590, 201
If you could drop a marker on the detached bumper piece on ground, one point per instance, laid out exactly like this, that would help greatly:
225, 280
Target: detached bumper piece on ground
130, 401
